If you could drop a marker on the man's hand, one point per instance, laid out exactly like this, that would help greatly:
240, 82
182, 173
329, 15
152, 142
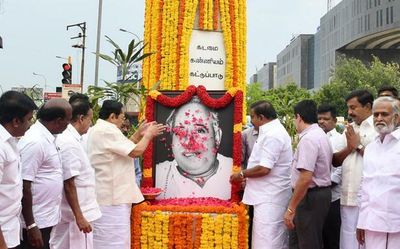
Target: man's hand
84, 225
236, 178
35, 237
2, 241
143, 126
353, 139
153, 129
288, 218
361, 236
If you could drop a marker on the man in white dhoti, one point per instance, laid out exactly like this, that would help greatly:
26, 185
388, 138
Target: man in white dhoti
79, 206
357, 135
110, 154
16, 113
268, 178
379, 218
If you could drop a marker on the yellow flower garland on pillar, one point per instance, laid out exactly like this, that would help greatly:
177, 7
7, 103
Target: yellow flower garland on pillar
170, 61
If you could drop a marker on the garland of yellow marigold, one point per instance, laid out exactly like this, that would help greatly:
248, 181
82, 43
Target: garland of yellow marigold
168, 28
160, 227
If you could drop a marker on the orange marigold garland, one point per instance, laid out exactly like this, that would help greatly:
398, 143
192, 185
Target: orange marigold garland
216, 15
232, 94
168, 28
187, 229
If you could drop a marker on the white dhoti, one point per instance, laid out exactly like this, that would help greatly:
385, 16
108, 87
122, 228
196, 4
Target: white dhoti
269, 231
348, 237
68, 236
379, 240
113, 229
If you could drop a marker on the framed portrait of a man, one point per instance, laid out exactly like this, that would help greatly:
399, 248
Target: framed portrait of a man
193, 158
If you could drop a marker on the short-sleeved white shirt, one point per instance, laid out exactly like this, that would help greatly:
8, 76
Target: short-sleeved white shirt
75, 163
336, 172
10, 188
352, 166
380, 187
41, 164
108, 151
273, 150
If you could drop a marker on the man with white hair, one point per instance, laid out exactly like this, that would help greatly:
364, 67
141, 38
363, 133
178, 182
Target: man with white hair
379, 217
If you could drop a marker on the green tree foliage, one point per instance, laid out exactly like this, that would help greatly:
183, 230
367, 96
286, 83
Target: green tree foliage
351, 74
282, 98
129, 89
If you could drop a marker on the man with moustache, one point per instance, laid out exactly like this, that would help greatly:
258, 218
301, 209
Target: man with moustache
331, 232
357, 135
379, 218
16, 113
79, 206
42, 173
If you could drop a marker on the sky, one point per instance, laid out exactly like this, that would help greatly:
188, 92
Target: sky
34, 33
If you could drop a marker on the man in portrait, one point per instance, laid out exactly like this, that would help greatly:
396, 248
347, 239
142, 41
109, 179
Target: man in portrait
197, 169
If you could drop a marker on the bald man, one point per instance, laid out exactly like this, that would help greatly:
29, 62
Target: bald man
42, 172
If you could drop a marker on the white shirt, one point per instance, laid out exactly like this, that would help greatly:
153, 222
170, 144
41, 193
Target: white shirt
75, 163
353, 164
10, 188
273, 150
380, 188
108, 151
336, 172
175, 184
41, 165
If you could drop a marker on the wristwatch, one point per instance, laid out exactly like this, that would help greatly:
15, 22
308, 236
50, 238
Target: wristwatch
360, 147
31, 226
241, 174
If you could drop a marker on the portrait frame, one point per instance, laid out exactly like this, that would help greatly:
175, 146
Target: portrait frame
212, 99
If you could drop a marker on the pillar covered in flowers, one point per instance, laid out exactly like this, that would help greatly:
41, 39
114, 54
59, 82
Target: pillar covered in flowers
169, 25
196, 46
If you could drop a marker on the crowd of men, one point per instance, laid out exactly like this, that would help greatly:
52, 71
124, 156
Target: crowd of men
70, 183
66, 183
336, 190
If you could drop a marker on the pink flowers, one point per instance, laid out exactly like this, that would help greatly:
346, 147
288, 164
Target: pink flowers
150, 190
202, 201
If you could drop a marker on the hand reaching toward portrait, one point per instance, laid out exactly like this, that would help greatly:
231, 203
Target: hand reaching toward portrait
153, 129
143, 127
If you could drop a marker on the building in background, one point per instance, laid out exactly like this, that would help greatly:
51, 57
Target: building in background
295, 63
359, 29
266, 76
355, 28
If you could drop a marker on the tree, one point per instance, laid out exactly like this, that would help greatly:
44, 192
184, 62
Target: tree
283, 99
351, 74
254, 93
128, 89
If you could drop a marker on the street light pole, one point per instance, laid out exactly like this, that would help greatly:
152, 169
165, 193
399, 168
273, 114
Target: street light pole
96, 70
45, 80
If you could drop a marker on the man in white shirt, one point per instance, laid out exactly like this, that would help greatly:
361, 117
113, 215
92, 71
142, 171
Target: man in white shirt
379, 217
79, 206
268, 178
110, 154
351, 150
42, 173
331, 231
16, 112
